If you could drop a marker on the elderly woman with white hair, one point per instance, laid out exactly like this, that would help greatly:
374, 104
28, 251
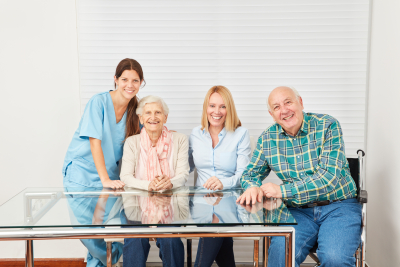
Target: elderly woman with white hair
154, 160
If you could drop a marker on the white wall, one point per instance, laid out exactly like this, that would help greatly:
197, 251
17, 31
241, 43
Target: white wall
39, 108
383, 149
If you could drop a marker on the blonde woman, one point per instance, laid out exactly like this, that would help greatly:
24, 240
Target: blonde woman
220, 151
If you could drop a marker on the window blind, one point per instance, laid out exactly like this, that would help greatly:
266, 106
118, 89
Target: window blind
251, 47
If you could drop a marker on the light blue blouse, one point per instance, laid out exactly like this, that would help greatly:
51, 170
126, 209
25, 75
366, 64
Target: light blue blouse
226, 161
98, 121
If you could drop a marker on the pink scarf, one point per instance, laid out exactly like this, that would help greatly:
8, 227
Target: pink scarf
154, 159
152, 214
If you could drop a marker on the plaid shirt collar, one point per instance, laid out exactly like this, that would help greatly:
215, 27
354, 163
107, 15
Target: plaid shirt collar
303, 128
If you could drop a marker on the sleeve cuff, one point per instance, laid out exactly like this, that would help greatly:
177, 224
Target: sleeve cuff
251, 184
176, 183
226, 183
286, 190
140, 184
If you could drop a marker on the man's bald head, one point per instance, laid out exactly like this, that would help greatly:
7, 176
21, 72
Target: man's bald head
280, 88
286, 108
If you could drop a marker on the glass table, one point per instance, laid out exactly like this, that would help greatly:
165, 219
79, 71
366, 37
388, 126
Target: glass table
97, 213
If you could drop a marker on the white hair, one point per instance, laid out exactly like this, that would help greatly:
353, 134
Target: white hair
151, 99
296, 93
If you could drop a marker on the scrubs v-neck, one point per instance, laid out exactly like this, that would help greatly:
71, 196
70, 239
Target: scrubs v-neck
98, 121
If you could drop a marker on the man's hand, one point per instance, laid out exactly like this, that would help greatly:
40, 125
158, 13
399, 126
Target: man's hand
213, 183
163, 183
114, 184
271, 190
268, 204
251, 196
272, 203
253, 208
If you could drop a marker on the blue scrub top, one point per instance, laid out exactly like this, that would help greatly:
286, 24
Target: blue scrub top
98, 121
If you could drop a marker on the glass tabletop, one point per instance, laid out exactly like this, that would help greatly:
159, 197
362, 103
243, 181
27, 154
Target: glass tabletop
98, 207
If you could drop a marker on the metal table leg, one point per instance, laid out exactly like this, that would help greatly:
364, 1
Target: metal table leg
109, 254
29, 262
266, 244
255, 255
189, 253
289, 249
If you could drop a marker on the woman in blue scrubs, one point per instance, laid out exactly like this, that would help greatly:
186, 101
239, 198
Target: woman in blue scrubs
95, 151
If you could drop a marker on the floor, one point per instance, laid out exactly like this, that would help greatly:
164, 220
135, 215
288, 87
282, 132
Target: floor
237, 265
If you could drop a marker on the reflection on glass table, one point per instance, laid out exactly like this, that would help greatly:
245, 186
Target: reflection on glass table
88, 207
93, 214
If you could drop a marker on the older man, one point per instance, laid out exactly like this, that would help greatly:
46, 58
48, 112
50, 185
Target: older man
306, 151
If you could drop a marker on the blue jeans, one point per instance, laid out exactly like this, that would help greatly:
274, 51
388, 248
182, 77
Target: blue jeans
336, 227
219, 249
136, 251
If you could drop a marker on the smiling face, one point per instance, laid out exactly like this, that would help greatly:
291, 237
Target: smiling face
216, 111
153, 118
286, 109
128, 83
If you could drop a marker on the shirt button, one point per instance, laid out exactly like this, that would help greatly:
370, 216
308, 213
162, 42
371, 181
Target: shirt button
298, 156
294, 139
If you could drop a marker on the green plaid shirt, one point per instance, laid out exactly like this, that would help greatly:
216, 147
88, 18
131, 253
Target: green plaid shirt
312, 164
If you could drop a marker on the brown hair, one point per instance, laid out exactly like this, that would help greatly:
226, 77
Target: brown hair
132, 120
232, 121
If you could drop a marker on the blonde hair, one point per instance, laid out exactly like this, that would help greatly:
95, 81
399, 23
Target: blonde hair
232, 121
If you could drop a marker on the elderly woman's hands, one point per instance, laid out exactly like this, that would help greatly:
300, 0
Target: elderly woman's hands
213, 183
160, 183
164, 183
153, 185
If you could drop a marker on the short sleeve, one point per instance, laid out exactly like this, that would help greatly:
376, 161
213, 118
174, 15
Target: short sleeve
93, 119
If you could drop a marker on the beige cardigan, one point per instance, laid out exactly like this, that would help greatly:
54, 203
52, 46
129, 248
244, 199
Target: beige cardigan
131, 157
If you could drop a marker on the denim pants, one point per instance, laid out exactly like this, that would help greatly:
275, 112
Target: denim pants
336, 227
219, 249
136, 251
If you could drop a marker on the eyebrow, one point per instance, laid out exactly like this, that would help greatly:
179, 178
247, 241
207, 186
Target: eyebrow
123, 77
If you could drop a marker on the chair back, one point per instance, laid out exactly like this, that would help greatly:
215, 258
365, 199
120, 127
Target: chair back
355, 171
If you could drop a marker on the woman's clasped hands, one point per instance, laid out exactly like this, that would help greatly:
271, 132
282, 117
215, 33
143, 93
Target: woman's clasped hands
160, 183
